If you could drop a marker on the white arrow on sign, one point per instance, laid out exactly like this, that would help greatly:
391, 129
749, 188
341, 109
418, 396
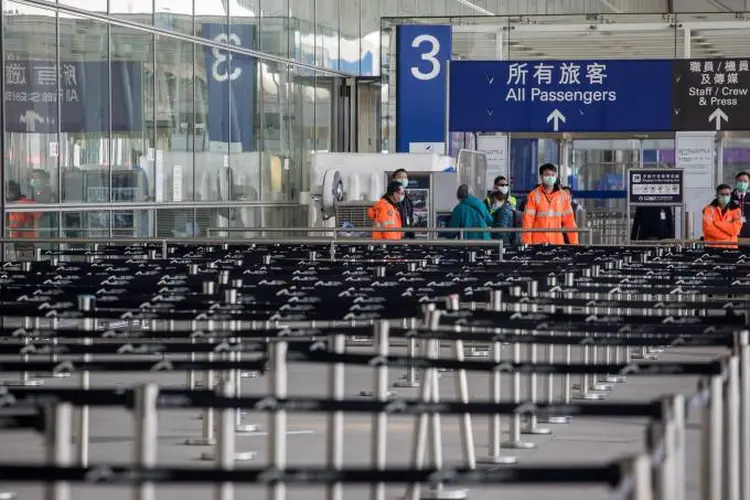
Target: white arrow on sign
556, 117
718, 115
490, 111
490, 79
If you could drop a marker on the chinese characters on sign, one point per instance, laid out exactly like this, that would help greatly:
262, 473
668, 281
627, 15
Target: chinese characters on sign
37, 92
711, 94
560, 96
534, 77
655, 186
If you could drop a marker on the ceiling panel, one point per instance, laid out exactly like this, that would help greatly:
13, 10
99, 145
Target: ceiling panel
598, 44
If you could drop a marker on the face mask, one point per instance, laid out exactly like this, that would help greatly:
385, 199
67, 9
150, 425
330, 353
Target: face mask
549, 180
404, 182
723, 199
742, 186
503, 189
497, 205
398, 198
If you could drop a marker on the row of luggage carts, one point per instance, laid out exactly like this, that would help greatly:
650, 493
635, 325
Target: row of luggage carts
533, 340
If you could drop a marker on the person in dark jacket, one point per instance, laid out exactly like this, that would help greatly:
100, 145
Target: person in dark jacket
740, 196
406, 206
652, 223
470, 212
503, 216
574, 206
500, 184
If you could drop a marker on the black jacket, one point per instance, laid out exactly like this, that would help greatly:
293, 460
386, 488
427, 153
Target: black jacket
649, 224
406, 210
574, 207
745, 209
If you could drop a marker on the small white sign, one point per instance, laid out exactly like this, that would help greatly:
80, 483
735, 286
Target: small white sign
76, 155
427, 147
159, 176
496, 149
177, 183
695, 153
54, 149
150, 154
226, 161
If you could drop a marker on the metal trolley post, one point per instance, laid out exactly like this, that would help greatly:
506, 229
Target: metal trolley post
146, 435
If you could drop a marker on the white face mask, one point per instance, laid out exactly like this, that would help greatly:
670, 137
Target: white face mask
497, 205
503, 189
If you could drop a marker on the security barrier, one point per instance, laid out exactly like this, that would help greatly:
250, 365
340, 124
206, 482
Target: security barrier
540, 319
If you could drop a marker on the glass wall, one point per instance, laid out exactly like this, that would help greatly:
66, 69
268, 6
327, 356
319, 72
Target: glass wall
110, 104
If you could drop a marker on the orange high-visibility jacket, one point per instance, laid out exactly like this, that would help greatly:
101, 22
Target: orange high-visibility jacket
722, 224
385, 215
548, 211
21, 224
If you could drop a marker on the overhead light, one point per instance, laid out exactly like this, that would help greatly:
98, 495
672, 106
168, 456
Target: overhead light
475, 8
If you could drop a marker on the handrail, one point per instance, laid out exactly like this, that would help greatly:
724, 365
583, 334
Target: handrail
152, 205
337, 230
246, 241
319, 240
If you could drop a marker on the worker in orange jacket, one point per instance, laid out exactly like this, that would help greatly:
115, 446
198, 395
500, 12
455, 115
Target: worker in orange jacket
722, 220
385, 213
20, 224
548, 207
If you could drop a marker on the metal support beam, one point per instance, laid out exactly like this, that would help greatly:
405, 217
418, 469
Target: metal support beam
603, 28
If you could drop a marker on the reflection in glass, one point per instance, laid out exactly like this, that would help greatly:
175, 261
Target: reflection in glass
148, 118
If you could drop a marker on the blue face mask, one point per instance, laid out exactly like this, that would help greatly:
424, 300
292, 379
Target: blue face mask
404, 182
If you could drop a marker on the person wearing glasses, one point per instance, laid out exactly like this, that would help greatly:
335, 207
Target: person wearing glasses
501, 185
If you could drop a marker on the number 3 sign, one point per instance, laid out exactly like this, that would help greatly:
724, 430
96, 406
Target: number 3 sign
421, 84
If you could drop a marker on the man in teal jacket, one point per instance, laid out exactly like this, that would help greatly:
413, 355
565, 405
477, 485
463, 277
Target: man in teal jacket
470, 212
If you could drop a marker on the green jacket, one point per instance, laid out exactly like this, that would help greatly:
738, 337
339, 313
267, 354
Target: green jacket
471, 212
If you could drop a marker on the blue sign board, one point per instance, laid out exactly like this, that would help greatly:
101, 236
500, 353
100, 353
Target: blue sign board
560, 96
421, 84
34, 89
231, 85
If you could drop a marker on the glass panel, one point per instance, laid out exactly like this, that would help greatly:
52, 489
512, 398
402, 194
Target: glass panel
134, 167
139, 11
736, 157
90, 5
87, 149
33, 94
323, 117
175, 15
178, 127
277, 34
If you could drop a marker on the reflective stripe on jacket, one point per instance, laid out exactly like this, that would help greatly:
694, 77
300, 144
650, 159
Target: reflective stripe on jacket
722, 225
548, 211
385, 215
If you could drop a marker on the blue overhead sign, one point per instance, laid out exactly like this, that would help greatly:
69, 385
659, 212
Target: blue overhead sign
560, 96
35, 89
421, 84
231, 85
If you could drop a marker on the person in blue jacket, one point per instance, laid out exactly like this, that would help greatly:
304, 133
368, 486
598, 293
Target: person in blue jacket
503, 216
470, 212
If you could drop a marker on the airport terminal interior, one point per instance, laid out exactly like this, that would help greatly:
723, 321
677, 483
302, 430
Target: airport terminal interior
348, 249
